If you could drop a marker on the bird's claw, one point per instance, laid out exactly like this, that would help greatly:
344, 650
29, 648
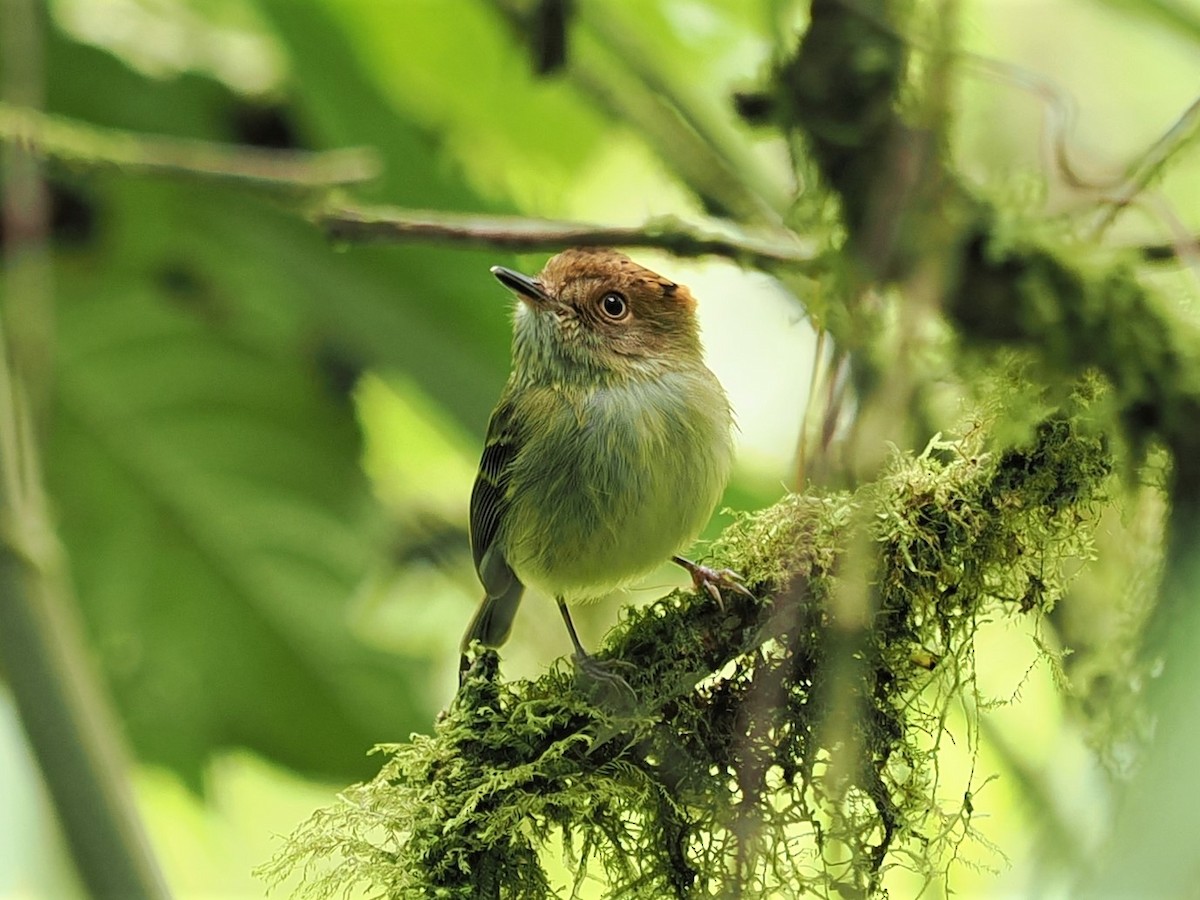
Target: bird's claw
713, 581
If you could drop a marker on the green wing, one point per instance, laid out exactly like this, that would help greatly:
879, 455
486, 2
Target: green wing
490, 502
489, 505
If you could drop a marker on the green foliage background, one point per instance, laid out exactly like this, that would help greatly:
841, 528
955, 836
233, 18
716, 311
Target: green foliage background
259, 445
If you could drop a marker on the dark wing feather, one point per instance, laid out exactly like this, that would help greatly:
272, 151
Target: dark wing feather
489, 499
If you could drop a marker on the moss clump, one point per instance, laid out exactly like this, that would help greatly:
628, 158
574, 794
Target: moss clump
779, 744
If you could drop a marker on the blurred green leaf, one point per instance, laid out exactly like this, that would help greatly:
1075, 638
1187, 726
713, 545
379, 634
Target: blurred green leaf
205, 470
434, 314
217, 524
472, 85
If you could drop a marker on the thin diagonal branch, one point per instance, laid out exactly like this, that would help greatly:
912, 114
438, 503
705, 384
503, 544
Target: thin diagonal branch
697, 111
399, 225
90, 146
611, 67
1178, 17
1150, 165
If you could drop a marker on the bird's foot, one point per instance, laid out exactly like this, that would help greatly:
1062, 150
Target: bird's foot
713, 581
603, 679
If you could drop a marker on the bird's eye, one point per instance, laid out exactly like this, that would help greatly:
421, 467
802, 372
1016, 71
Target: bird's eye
614, 306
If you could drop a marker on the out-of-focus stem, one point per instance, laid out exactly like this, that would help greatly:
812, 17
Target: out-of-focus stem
90, 146
43, 655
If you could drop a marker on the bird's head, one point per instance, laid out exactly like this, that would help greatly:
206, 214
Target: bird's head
595, 313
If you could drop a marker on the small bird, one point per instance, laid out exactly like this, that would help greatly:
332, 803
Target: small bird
609, 447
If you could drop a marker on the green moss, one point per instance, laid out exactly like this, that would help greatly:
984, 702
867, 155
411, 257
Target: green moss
1084, 313
780, 744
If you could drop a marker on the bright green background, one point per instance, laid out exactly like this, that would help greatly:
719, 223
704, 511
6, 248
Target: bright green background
262, 446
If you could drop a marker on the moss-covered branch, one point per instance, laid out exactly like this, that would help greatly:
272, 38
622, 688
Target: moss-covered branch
725, 771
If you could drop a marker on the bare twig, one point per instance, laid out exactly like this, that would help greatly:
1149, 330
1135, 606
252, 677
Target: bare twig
1168, 251
89, 146
398, 225
820, 369
1060, 113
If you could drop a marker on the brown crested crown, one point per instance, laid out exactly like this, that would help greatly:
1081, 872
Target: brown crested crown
616, 270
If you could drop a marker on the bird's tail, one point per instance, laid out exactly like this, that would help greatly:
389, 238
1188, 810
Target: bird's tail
494, 619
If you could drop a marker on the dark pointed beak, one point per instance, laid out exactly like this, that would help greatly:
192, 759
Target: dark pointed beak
524, 286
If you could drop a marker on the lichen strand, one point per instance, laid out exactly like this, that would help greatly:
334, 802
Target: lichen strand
730, 768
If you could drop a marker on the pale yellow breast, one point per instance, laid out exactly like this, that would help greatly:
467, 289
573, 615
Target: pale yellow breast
616, 481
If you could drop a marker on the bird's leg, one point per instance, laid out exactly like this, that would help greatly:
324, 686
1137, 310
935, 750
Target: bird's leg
601, 672
713, 580
566, 615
